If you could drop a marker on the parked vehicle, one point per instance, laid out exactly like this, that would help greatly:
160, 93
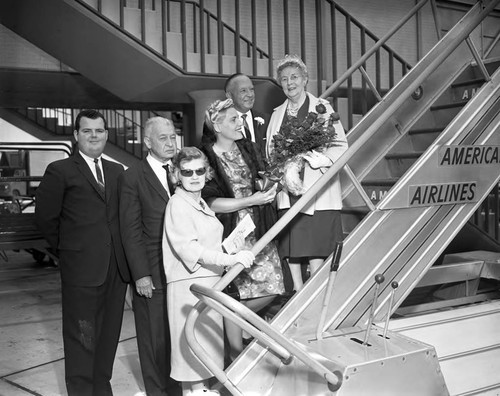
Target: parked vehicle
22, 166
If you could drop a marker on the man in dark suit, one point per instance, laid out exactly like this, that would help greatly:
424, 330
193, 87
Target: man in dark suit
144, 195
239, 88
77, 212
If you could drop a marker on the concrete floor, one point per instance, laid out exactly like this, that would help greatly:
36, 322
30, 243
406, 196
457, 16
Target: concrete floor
31, 349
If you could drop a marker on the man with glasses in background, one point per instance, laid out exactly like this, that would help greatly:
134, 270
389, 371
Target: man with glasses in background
145, 190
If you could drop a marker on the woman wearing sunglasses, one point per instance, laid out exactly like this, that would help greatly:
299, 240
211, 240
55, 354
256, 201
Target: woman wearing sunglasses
192, 253
232, 195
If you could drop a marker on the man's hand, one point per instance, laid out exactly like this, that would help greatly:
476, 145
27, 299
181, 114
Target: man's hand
144, 286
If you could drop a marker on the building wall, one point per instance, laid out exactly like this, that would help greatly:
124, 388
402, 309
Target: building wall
20, 53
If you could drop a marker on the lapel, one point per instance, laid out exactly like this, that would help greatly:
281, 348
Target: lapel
259, 129
196, 205
152, 179
274, 124
87, 173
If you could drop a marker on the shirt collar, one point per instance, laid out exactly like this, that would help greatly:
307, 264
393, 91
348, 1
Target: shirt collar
188, 198
156, 163
90, 159
248, 113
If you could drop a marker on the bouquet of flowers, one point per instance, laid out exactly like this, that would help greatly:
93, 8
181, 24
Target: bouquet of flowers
294, 140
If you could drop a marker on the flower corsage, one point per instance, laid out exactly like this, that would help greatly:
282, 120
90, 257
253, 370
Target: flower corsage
259, 120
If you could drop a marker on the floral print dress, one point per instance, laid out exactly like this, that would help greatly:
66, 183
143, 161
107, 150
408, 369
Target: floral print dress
265, 276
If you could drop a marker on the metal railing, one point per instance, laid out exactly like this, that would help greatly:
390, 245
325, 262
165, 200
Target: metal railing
221, 38
125, 127
284, 348
487, 217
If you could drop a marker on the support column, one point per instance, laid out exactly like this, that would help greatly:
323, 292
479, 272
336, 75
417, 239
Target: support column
202, 99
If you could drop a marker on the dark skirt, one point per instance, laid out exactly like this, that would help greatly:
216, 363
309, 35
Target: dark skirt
310, 236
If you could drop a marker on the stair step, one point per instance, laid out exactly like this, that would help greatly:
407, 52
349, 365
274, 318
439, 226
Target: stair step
472, 349
404, 156
477, 81
356, 210
425, 131
449, 105
388, 182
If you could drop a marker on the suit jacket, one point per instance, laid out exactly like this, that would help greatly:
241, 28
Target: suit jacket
260, 129
143, 200
80, 223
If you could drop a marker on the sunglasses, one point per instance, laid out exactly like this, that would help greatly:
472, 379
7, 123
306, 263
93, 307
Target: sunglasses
189, 172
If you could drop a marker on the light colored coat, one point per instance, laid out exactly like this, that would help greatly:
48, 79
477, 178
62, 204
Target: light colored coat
330, 196
189, 230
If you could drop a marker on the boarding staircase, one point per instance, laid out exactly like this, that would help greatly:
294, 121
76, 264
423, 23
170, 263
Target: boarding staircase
435, 187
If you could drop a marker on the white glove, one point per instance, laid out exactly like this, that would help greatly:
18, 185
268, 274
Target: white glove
317, 160
245, 257
214, 257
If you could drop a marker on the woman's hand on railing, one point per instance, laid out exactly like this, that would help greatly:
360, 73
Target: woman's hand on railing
245, 257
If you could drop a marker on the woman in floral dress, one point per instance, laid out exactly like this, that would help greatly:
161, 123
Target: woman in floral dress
232, 194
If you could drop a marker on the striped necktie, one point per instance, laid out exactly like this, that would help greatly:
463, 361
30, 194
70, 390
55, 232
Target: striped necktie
171, 188
100, 179
248, 135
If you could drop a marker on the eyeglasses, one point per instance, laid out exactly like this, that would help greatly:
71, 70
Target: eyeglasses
189, 172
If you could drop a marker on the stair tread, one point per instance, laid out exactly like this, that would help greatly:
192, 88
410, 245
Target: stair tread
390, 181
401, 155
449, 105
425, 130
356, 209
468, 82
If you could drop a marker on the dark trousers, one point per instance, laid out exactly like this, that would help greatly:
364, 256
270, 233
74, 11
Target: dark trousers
153, 342
92, 321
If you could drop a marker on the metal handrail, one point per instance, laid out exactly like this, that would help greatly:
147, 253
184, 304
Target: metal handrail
260, 329
393, 100
361, 61
253, 50
114, 117
229, 28
39, 146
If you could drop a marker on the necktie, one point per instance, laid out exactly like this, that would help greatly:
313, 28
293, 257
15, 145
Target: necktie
171, 188
248, 135
100, 179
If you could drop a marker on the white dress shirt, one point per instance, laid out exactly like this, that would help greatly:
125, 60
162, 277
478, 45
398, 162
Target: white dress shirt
90, 162
249, 120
